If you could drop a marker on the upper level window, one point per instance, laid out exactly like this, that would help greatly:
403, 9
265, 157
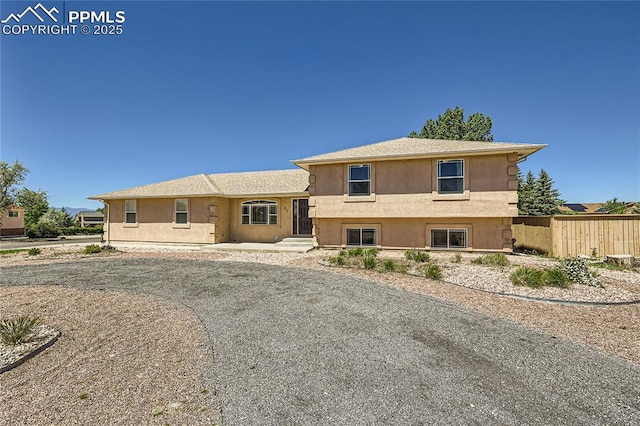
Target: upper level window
360, 179
259, 212
450, 177
130, 214
14, 213
182, 211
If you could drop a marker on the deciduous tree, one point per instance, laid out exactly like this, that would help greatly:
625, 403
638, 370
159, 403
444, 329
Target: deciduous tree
11, 176
34, 203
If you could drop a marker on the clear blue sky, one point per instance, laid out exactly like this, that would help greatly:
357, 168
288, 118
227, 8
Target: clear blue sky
210, 87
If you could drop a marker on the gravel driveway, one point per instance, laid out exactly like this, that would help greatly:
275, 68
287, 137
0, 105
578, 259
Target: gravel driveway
298, 347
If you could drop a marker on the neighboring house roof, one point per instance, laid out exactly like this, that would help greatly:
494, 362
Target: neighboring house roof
582, 207
89, 214
274, 182
402, 148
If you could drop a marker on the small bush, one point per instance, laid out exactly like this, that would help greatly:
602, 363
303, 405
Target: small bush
457, 258
342, 253
556, 277
336, 260
34, 251
92, 248
355, 252
417, 256
369, 262
389, 265
578, 271
433, 271
76, 230
528, 277
371, 252
16, 331
495, 259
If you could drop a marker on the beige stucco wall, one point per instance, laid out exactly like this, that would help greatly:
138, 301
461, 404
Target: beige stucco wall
10, 226
260, 233
408, 189
156, 222
211, 220
490, 234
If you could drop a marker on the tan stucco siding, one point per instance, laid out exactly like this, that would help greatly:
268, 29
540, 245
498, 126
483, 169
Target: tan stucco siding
13, 223
260, 233
408, 189
488, 234
156, 221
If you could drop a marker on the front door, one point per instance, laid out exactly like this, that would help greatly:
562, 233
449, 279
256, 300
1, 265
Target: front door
301, 220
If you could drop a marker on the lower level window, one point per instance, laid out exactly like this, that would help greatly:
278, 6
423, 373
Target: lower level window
259, 212
182, 211
362, 237
448, 238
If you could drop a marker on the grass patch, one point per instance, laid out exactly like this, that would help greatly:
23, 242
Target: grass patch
16, 331
493, 259
337, 260
355, 252
457, 258
556, 277
527, 277
416, 256
369, 261
34, 251
92, 248
12, 251
433, 272
389, 265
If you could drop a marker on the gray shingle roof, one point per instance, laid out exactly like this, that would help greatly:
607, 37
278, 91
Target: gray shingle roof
415, 147
274, 182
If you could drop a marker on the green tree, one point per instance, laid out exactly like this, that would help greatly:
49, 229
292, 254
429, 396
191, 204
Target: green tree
614, 206
537, 196
34, 203
55, 218
10, 177
451, 125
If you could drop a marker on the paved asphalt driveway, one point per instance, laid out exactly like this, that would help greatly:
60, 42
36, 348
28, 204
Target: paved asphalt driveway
306, 347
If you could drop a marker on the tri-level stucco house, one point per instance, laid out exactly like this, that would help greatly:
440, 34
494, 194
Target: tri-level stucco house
402, 193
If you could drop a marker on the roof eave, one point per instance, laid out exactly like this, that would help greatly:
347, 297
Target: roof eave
523, 152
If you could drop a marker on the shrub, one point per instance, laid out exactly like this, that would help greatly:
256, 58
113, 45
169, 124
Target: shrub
355, 252
578, 271
16, 331
457, 258
389, 265
433, 271
76, 230
369, 261
92, 248
371, 252
41, 230
526, 276
496, 259
342, 253
417, 256
336, 260
34, 251
555, 277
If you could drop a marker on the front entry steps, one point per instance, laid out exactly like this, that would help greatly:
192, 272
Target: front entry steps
290, 245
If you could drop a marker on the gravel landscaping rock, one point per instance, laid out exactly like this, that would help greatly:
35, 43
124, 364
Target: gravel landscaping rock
304, 344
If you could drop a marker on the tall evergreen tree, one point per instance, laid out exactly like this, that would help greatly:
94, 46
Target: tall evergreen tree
451, 125
537, 197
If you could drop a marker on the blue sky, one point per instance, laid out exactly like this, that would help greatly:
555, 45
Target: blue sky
211, 87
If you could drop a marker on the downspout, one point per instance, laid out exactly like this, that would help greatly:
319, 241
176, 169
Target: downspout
108, 222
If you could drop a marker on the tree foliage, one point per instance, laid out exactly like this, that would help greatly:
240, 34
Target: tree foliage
537, 196
34, 203
56, 218
11, 175
451, 125
614, 206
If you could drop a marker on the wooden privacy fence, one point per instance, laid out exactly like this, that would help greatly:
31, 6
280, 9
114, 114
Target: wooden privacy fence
573, 235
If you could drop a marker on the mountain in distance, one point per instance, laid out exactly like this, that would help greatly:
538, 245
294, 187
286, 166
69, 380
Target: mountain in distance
75, 210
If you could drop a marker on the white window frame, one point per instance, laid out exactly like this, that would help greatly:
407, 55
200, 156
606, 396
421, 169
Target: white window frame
442, 178
13, 213
350, 180
128, 211
248, 217
361, 230
185, 212
449, 231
